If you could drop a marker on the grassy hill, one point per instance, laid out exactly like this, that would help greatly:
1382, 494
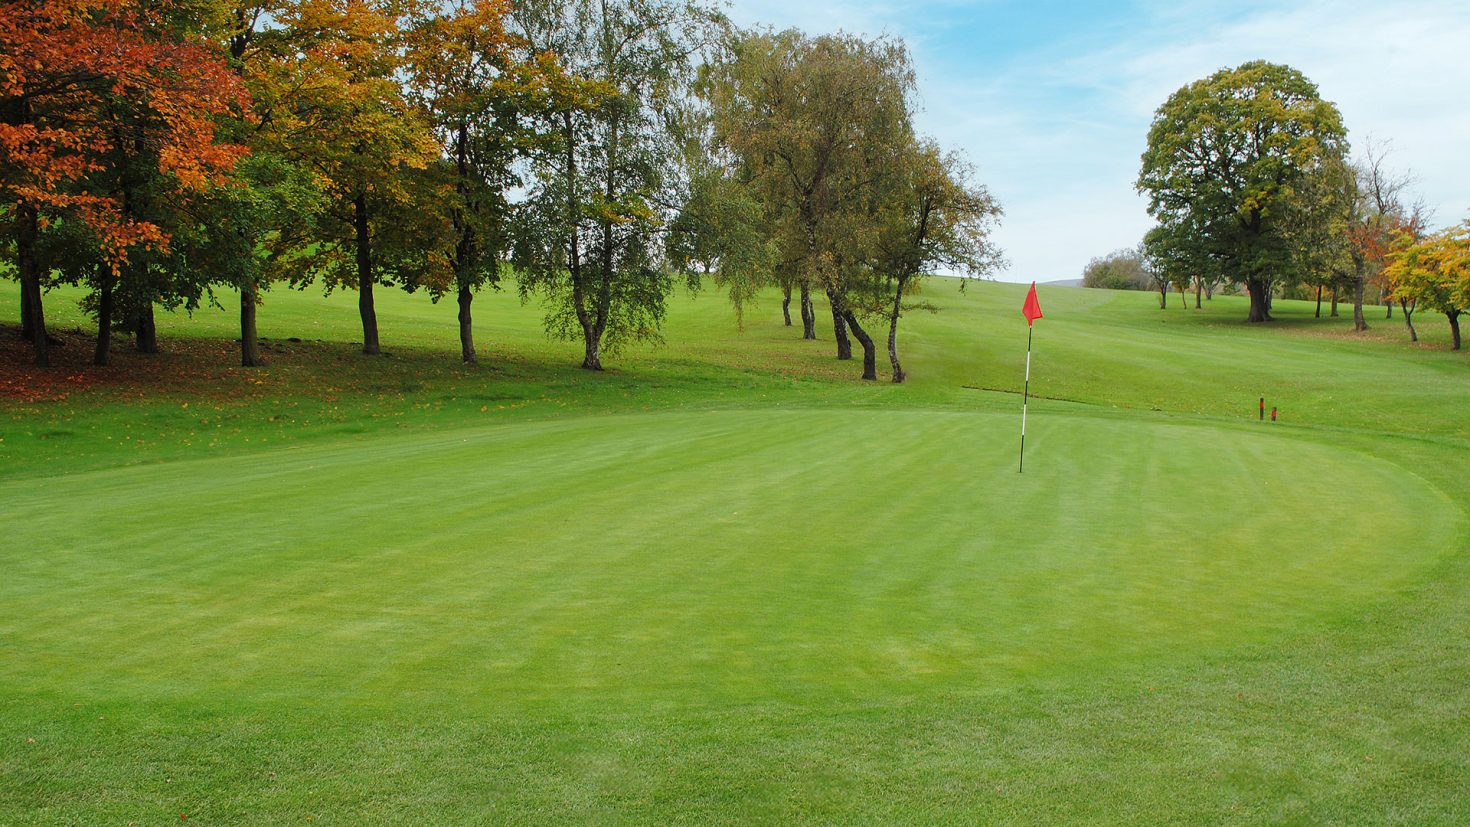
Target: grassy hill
726, 581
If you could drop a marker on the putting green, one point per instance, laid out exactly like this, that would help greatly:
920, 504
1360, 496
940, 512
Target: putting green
692, 558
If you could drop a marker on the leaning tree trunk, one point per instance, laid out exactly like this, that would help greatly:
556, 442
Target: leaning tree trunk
1454, 317
30, 282
103, 353
249, 335
808, 314
1260, 300
1333, 314
839, 328
898, 374
1319, 301
786, 304
466, 326
1409, 319
145, 329
870, 350
365, 277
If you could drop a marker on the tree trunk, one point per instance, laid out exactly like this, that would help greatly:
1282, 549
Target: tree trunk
1260, 300
1409, 320
1319, 301
466, 327
870, 350
145, 329
1333, 314
30, 282
1164, 296
249, 336
1384, 298
898, 374
786, 304
103, 353
839, 328
465, 246
1198, 288
365, 277
1454, 317
808, 314
1183, 299
1209, 290
592, 339
1359, 323
25, 313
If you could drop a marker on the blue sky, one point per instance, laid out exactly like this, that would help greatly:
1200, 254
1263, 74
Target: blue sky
1052, 100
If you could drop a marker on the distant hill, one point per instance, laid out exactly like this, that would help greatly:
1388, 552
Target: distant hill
1064, 283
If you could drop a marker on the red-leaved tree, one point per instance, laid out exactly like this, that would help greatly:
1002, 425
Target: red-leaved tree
67, 67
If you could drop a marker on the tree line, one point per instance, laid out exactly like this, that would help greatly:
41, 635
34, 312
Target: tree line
1249, 175
596, 152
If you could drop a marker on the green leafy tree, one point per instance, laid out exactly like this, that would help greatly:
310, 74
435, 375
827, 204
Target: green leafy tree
932, 216
1321, 211
336, 106
482, 88
814, 125
1119, 270
721, 229
589, 236
1225, 156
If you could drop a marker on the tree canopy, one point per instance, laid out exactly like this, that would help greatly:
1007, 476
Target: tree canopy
1226, 158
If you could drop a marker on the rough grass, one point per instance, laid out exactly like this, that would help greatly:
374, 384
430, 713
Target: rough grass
727, 582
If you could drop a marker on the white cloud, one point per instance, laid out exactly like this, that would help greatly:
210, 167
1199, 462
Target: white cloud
1057, 129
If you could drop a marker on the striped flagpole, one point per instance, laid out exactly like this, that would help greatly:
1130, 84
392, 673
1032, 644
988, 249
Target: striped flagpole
1025, 398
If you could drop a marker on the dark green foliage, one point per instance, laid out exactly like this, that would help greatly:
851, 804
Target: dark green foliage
1225, 157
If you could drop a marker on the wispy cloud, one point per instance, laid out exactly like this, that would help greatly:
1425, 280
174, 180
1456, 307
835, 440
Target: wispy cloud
1055, 116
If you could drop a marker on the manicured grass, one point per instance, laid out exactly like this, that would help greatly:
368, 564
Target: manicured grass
728, 582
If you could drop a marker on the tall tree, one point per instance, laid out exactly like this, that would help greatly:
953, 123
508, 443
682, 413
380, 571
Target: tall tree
1376, 215
589, 235
70, 72
1320, 211
338, 108
814, 124
721, 227
482, 88
932, 216
1224, 156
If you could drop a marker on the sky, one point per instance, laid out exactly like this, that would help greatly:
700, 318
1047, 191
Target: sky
1051, 101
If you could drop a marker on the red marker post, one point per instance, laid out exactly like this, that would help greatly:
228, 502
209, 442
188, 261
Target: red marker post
1032, 311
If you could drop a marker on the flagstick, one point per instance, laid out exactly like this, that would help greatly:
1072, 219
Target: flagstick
1025, 398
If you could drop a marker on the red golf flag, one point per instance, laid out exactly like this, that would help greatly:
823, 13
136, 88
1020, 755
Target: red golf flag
1032, 308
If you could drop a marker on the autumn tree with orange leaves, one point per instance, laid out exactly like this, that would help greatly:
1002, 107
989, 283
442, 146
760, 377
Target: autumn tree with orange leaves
66, 68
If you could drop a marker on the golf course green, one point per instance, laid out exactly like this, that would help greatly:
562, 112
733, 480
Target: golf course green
727, 582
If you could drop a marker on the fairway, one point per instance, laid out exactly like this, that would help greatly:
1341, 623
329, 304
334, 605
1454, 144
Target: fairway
726, 582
